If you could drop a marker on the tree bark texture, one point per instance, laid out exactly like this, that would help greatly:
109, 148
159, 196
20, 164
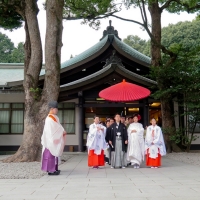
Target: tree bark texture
36, 108
53, 44
155, 13
168, 121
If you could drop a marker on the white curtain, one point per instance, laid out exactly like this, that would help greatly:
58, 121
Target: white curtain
60, 116
17, 105
17, 121
4, 105
69, 121
4, 121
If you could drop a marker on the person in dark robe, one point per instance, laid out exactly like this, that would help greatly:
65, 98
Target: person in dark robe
118, 141
123, 118
112, 121
106, 152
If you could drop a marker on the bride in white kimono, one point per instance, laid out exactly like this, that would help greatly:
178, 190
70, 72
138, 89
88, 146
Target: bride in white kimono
135, 152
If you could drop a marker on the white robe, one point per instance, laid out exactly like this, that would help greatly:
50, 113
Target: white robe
158, 141
135, 152
96, 139
52, 137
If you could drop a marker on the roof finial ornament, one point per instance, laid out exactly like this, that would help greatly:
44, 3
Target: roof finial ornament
110, 31
110, 22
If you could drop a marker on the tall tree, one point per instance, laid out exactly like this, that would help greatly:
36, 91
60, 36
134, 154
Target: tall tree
36, 99
6, 48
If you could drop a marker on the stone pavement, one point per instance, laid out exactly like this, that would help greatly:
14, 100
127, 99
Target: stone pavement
174, 181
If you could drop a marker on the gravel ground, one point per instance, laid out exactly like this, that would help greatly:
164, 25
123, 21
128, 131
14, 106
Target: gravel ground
192, 158
25, 170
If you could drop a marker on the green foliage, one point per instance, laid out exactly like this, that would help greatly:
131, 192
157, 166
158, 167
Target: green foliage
9, 18
89, 10
175, 37
6, 48
175, 6
186, 34
8, 53
138, 44
180, 81
18, 54
180, 137
37, 92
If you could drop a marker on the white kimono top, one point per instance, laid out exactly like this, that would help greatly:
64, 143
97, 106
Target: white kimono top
52, 137
96, 139
135, 142
154, 135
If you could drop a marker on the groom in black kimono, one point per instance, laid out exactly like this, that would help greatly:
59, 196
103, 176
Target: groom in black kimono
118, 140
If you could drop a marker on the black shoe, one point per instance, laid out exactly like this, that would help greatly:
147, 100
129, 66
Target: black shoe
54, 173
58, 171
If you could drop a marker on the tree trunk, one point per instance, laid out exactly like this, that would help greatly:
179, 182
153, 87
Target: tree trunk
168, 122
155, 13
53, 44
36, 108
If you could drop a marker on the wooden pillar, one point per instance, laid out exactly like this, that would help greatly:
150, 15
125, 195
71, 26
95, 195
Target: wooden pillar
81, 122
146, 113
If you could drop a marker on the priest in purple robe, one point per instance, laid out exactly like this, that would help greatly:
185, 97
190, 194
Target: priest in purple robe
53, 141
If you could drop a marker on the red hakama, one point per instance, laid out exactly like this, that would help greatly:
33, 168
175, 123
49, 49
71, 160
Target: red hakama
153, 162
95, 160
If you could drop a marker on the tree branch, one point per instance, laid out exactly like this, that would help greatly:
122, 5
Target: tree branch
185, 5
128, 20
164, 49
141, 12
144, 10
90, 17
166, 5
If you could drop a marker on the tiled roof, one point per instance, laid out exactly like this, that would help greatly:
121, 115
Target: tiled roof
10, 72
89, 52
94, 49
132, 52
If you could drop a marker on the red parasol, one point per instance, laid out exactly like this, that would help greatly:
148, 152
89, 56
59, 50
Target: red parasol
124, 91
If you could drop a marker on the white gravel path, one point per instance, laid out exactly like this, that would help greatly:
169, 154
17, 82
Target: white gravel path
25, 170
191, 158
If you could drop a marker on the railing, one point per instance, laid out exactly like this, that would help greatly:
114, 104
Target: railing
7, 91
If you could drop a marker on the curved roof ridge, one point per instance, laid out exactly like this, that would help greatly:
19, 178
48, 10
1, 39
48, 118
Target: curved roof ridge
85, 54
103, 70
87, 77
132, 52
137, 75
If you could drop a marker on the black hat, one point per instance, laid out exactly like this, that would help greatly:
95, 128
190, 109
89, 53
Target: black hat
53, 104
122, 114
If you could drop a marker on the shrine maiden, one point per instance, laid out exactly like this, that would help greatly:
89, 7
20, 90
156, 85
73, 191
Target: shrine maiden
135, 152
118, 143
53, 141
154, 145
96, 144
